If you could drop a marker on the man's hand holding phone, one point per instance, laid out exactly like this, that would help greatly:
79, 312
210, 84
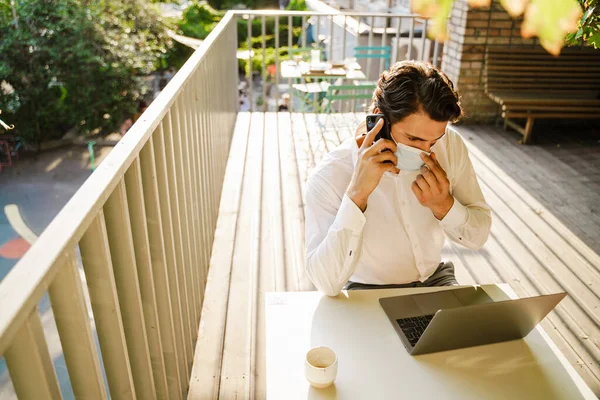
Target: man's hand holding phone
373, 160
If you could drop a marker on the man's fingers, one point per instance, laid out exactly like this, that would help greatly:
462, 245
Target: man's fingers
417, 191
423, 185
434, 166
380, 146
385, 156
371, 134
391, 168
430, 179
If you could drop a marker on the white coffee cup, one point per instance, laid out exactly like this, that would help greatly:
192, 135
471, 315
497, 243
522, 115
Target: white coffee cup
321, 366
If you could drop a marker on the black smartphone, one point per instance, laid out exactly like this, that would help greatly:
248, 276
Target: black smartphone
385, 130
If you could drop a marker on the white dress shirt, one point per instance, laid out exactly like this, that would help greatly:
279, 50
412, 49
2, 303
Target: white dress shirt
396, 240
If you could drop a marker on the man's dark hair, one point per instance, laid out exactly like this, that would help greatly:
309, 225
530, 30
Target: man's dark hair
411, 87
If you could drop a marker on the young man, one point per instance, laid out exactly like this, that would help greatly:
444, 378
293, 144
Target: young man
378, 212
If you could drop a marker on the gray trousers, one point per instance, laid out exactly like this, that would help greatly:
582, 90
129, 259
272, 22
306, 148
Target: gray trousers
443, 276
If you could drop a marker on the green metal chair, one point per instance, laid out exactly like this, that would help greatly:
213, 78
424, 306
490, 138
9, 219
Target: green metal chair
348, 94
306, 89
376, 52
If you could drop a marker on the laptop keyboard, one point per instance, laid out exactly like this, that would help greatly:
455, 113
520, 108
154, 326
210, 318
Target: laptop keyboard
413, 327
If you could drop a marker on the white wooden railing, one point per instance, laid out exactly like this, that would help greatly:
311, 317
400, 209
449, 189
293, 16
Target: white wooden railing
143, 224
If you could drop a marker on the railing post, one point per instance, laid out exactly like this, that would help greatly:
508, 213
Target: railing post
250, 77
397, 45
290, 44
167, 301
384, 42
331, 31
154, 329
203, 168
191, 204
181, 168
100, 279
425, 57
344, 39
277, 63
76, 337
411, 35
370, 44
195, 162
175, 198
303, 31
264, 68
29, 362
120, 239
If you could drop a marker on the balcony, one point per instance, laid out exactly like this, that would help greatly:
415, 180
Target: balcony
157, 268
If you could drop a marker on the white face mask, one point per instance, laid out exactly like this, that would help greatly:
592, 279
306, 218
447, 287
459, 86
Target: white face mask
409, 158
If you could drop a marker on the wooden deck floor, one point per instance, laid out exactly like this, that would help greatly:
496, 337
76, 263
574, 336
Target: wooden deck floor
259, 244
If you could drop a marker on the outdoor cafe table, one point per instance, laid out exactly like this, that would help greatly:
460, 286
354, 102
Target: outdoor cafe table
373, 363
293, 70
302, 71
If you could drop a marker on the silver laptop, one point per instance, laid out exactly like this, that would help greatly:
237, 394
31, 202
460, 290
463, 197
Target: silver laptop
463, 317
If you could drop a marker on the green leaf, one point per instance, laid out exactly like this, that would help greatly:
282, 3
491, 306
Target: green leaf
438, 11
594, 40
586, 15
551, 20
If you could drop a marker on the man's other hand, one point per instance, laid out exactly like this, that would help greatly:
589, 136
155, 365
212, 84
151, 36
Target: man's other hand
432, 187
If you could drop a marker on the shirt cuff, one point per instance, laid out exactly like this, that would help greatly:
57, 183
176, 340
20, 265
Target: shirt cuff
456, 217
349, 216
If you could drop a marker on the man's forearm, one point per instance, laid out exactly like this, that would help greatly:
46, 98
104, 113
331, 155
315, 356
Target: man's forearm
332, 263
332, 259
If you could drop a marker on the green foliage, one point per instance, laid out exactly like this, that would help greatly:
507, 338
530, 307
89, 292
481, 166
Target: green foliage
70, 64
257, 60
253, 4
589, 26
178, 55
134, 33
199, 19
297, 5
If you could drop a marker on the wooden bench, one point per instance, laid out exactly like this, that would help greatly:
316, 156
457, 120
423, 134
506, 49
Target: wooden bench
530, 83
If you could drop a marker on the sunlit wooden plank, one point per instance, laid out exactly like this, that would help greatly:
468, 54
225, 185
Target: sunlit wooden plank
206, 372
